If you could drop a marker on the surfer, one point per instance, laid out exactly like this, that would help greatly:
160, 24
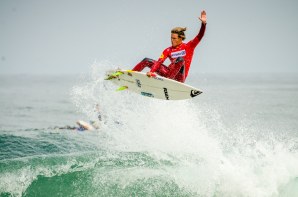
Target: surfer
180, 55
83, 126
93, 124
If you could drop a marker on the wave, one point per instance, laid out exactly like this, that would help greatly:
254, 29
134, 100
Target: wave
149, 147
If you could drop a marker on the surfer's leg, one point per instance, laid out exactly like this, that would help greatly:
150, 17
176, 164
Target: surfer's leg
176, 69
146, 62
180, 77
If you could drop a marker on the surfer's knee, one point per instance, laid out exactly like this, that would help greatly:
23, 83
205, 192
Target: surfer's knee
179, 59
146, 59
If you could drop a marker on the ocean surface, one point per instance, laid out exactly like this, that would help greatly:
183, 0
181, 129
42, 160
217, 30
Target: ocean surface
238, 138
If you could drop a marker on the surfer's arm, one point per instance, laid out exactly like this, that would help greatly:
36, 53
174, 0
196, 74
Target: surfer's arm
160, 60
201, 33
199, 37
156, 66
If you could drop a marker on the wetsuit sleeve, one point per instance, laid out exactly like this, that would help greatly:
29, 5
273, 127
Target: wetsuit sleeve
193, 43
160, 60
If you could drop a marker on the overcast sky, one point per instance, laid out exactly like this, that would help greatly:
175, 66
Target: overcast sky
66, 36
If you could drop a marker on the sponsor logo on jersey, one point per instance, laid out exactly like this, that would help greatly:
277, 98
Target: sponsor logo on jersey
161, 56
178, 54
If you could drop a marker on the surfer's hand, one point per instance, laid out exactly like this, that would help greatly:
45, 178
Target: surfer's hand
203, 17
150, 74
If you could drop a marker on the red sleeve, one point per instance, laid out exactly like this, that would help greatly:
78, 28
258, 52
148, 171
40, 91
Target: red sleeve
160, 60
193, 43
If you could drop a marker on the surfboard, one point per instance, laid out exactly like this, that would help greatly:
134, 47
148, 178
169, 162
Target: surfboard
155, 87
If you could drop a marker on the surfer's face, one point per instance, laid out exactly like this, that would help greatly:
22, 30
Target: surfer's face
175, 40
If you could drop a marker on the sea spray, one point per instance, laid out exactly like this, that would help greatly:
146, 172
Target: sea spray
208, 158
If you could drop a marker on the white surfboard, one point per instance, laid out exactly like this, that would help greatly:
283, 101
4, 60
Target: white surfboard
155, 87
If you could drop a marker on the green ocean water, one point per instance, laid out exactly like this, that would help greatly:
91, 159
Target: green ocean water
239, 138
62, 168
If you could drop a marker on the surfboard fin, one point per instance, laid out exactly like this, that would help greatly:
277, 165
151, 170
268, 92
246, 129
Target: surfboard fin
122, 88
114, 75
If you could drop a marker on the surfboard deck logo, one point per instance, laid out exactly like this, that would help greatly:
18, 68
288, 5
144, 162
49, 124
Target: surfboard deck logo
147, 94
152, 87
166, 93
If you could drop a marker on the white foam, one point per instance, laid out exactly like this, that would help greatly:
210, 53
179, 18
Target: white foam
16, 182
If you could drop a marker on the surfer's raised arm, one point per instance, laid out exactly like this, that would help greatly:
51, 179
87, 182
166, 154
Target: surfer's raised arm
194, 42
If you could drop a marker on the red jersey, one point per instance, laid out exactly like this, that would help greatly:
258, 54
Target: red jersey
184, 50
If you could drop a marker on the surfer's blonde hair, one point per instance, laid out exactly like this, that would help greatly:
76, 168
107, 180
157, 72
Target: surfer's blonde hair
180, 31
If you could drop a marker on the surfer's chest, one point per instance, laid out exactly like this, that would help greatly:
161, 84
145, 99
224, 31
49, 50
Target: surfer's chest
178, 52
